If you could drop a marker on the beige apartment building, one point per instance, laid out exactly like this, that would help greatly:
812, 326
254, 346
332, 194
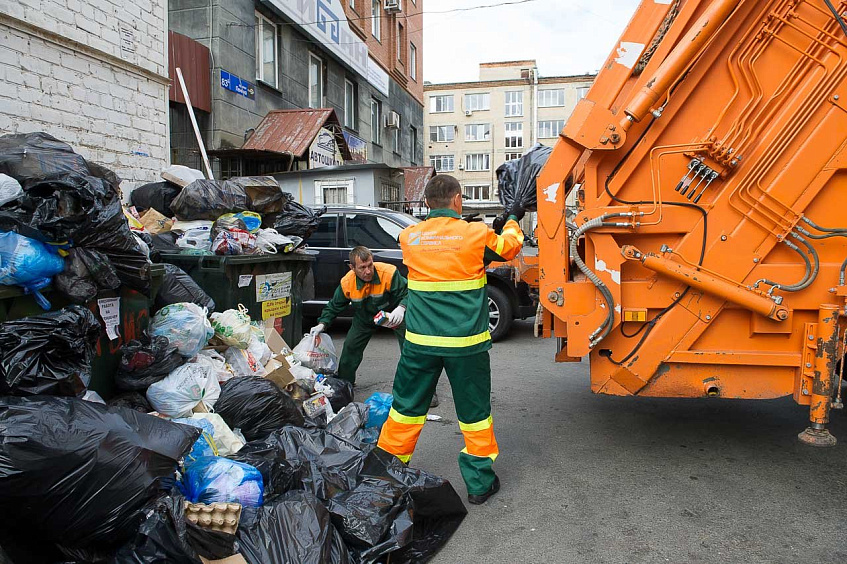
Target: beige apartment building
472, 128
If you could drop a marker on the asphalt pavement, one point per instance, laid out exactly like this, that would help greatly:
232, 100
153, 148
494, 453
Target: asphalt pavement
600, 479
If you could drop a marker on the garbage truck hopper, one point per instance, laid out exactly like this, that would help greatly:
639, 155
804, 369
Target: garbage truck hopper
691, 218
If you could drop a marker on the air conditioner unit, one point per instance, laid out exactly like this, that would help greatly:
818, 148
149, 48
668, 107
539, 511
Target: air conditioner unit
461, 166
393, 6
392, 120
469, 113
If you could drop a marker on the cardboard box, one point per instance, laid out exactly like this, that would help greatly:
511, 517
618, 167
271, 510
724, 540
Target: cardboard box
277, 369
156, 223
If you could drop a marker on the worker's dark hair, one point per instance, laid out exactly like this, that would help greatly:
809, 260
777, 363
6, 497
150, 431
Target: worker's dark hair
362, 253
441, 190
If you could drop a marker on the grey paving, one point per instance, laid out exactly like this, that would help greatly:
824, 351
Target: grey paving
621, 480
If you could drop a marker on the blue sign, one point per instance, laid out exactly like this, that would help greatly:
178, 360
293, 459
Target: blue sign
237, 85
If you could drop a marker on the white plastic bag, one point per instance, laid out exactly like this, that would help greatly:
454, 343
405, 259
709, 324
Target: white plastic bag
318, 353
185, 325
182, 175
227, 442
232, 327
183, 389
216, 363
9, 189
243, 363
269, 241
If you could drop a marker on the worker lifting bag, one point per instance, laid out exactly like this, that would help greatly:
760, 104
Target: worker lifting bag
318, 353
517, 178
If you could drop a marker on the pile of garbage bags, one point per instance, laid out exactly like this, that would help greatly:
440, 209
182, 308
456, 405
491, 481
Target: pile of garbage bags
61, 218
215, 416
241, 216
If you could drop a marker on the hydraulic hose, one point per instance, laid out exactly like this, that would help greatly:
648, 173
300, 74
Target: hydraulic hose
606, 327
843, 272
824, 229
811, 270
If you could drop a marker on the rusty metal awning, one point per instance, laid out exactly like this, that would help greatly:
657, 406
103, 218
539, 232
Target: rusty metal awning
416, 178
293, 131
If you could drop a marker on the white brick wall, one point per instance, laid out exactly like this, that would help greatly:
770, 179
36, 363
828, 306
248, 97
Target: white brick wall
109, 112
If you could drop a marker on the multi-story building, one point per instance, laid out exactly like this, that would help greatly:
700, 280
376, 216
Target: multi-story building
474, 127
361, 58
93, 74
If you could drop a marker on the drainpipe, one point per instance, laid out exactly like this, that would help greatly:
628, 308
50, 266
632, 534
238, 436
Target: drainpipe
534, 124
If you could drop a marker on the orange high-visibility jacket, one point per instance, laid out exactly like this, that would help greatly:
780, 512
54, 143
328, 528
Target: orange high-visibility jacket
447, 311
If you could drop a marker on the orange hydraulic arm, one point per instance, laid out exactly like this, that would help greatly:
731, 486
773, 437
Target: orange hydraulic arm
704, 173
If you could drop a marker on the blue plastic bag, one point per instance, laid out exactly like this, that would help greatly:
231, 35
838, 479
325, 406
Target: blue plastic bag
379, 404
221, 480
205, 445
185, 326
29, 264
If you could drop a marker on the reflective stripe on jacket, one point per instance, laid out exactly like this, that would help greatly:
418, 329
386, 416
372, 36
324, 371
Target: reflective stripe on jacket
447, 310
385, 292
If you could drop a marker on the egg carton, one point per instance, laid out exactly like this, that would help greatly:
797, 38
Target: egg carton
215, 517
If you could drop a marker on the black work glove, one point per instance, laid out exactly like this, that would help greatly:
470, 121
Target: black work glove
500, 223
472, 218
516, 210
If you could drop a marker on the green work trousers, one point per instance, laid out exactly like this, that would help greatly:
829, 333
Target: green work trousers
354, 347
470, 378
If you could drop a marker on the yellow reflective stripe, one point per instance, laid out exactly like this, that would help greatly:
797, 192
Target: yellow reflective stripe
404, 458
452, 286
500, 244
511, 230
447, 342
405, 419
493, 457
478, 426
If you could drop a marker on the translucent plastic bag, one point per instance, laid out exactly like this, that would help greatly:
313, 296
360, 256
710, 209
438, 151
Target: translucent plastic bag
185, 326
220, 480
232, 327
183, 390
9, 189
243, 362
29, 264
318, 353
205, 445
226, 441
379, 404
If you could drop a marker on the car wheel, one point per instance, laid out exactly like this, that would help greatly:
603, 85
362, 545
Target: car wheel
500, 315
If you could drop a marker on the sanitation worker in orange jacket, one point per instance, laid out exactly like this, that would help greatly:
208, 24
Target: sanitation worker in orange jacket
447, 328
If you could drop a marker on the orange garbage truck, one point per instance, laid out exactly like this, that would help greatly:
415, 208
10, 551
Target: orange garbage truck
692, 218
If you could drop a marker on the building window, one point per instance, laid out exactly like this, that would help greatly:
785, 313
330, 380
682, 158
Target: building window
477, 102
550, 129
266, 50
478, 192
413, 133
514, 135
351, 105
442, 163
514, 104
478, 132
582, 92
316, 81
376, 20
478, 162
376, 121
551, 98
513, 156
340, 191
413, 61
441, 104
395, 134
352, 4
442, 133
400, 42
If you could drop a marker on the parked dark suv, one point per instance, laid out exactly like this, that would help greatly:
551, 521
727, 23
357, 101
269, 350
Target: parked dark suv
344, 227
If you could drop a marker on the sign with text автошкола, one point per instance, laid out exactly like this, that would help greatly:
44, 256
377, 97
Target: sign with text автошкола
324, 150
234, 84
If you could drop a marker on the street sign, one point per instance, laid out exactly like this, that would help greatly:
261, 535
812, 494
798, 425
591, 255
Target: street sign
234, 84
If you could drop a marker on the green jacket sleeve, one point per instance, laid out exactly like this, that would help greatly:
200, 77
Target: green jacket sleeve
336, 305
399, 291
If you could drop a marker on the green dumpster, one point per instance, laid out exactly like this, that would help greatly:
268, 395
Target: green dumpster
269, 286
133, 321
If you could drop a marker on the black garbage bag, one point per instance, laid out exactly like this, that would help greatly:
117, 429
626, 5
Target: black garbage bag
28, 156
86, 273
296, 219
295, 529
48, 354
143, 364
178, 287
77, 473
209, 199
155, 195
166, 242
131, 400
162, 537
348, 422
264, 194
342, 392
517, 179
256, 406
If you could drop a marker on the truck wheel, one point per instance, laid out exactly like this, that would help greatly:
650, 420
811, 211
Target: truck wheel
500, 315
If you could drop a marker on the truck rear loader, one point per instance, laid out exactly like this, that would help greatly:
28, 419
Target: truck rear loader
691, 218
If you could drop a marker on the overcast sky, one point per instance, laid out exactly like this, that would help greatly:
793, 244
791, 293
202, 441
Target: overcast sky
566, 37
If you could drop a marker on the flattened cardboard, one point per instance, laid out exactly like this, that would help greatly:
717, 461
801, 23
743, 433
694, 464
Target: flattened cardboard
277, 369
